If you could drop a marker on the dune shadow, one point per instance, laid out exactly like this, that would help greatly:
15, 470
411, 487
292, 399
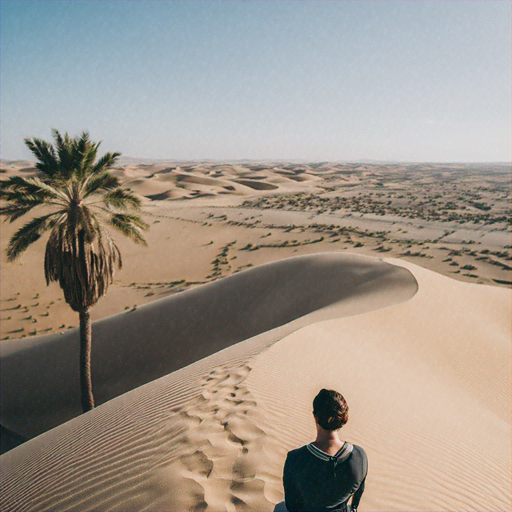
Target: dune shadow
40, 381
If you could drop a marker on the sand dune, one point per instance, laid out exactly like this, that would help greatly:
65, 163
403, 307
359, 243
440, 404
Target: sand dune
205, 180
176, 193
424, 362
133, 348
258, 185
191, 178
148, 187
169, 184
428, 385
304, 177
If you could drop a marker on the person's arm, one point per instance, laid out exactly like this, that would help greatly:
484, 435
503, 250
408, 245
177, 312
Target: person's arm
357, 497
363, 472
292, 496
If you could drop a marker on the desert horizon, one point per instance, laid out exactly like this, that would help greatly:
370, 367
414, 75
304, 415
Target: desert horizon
452, 229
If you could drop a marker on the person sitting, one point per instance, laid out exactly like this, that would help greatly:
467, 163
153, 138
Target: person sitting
328, 473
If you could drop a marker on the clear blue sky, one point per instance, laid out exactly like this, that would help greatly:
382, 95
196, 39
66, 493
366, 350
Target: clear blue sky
304, 80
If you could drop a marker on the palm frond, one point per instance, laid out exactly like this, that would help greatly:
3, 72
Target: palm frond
32, 192
30, 233
64, 150
99, 182
24, 194
5, 186
45, 153
122, 199
60, 142
130, 226
105, 162
133, 219
88, 157
20, 189
84, 153
13, 212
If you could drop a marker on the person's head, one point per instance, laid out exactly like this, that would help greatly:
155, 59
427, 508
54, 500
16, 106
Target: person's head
330, 409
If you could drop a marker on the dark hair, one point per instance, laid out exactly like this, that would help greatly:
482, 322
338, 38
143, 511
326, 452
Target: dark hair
330, 409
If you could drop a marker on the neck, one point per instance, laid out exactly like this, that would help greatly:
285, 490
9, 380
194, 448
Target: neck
327, 438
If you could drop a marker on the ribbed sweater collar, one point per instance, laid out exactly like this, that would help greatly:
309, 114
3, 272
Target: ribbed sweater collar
342, 454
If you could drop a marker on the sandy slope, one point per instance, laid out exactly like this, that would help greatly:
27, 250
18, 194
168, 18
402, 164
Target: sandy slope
39, 374
424, 362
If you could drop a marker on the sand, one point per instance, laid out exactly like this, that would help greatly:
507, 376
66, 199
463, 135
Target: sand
133, 348
210, 346
405, 347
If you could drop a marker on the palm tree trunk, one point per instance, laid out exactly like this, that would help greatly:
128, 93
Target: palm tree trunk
85, 360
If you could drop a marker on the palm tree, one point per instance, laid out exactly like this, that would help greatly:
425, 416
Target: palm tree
82, 197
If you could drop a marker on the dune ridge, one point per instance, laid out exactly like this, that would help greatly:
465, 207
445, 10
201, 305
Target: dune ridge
40, 387
168, 183
405, 346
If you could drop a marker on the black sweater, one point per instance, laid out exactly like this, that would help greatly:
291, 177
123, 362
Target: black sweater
315, 481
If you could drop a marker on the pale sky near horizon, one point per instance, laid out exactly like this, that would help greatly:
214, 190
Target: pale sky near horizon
316, 80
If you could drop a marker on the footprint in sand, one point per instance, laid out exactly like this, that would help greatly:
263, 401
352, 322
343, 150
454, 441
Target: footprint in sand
197, 462
214, 441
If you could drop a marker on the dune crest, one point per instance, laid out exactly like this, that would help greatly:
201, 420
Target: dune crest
40, 387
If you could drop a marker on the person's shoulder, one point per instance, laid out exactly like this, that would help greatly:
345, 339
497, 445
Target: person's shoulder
359, 450
294, 460
359, 458
298, 453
